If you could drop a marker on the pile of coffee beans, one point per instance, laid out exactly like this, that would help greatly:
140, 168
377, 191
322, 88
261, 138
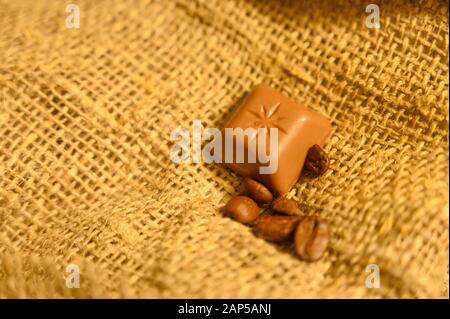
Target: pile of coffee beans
285, 220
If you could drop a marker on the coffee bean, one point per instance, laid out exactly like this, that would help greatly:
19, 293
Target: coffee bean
243, 209
311, 238
276, 228
317, 161
286, 206
257, 191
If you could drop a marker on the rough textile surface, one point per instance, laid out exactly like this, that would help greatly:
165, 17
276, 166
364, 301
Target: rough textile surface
85, 122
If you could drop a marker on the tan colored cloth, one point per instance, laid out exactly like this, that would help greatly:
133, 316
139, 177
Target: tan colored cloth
85, 122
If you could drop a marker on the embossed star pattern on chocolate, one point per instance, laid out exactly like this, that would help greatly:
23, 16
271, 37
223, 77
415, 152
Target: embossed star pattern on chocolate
264, 119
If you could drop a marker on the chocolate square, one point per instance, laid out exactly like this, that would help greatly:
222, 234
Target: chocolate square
298, 129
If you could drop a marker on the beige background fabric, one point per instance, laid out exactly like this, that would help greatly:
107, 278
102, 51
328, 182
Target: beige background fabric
85, 122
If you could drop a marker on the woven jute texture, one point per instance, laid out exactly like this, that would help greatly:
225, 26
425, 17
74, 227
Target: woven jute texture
85, 122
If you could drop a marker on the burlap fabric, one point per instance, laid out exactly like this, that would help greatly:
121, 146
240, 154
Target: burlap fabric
85, 122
